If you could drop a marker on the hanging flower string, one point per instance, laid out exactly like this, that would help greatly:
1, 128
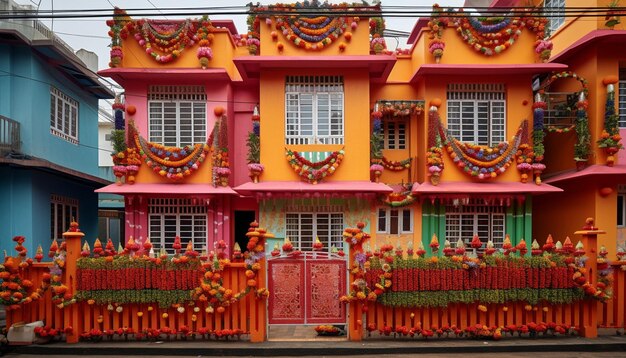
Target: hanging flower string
488, 35
396, 166
400, 199
173, 163
610, 139
314, 172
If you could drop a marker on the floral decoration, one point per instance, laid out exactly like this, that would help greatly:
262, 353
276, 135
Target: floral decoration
400, 109
61, 296
314, 172
254, 147
327, 330
174, 163
610, 139
163, 40
15, 290
399, 199
395, 165
218, 142
376, 139
314, 31
434, 155
488, 35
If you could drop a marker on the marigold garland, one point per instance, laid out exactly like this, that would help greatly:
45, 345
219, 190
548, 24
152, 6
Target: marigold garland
396, 166
314, 172
401, 199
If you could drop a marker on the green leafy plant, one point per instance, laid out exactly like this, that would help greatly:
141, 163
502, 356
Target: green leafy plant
254, 148
118, 139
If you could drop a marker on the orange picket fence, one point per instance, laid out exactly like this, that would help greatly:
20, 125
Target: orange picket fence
612, 314
248, 314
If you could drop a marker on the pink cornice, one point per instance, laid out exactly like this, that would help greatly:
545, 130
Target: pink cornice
591, 172
188, 75
323, 187
468, 187
495, 69
379, 66
167, 189
615, 37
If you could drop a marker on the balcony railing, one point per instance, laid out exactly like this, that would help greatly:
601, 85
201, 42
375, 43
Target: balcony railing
10, 140
561, 110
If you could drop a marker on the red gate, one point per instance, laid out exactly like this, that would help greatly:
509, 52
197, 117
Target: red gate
306, 290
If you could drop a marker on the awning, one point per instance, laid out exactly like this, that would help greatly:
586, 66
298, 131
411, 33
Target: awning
463, 187
594, 172
167, 189
127, 75
328, 187
479, 69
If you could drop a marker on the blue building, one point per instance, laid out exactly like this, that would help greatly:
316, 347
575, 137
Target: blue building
48, 135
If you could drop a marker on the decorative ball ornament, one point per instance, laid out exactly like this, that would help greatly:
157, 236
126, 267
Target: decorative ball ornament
131, 110
606, 191
609, 80
219, 111
436, 102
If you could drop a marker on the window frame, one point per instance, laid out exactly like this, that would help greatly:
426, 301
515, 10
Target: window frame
179, 96
472, 209
556, 17
387, 217
466, 125
177, 209
399, 136
333, 238
621, 100
62, 127
297, 87
57, 228
621, 198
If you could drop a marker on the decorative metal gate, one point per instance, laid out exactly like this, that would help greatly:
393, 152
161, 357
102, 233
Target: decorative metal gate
306, 289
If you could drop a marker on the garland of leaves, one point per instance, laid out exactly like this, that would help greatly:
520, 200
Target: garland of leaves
487, 35
218, 142
610, 138
173, 163
434, 155
314, 172
395, 165
163, 40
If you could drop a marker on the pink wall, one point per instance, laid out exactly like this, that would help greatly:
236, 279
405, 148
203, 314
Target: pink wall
244, 100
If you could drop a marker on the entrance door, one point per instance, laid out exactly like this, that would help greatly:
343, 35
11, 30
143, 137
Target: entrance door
306, 290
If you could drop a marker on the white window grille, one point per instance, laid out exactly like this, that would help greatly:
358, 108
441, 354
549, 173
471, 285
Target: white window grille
303, 228
168, 218
621, 100
63, 116
554, 11
394, 134
62, 211
475, 217
177, 115
477, 113
395, 221
314, 110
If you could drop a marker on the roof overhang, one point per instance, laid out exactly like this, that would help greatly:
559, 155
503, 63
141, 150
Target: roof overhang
191, 190
378, 66
603, 38
191, 75
480, 70
591, 173
45, 165
330, 188
469, 188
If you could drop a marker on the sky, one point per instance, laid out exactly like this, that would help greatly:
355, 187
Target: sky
91, 34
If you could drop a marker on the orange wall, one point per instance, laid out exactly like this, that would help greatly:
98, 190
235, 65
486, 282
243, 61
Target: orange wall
355, 165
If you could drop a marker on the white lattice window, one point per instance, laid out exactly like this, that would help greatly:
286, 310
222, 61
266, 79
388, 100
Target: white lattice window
303, 228
62, 211
395, 221
554, 11
475, 217
177, 115
63, 116
394, 134
314, 110
621, 98
169, 218
477, 113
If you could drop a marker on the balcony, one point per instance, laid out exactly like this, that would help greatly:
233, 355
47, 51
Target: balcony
561, 110
9, 135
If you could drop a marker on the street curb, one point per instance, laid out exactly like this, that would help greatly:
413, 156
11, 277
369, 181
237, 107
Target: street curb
301, 349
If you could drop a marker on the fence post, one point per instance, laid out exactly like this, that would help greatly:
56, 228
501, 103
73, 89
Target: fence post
355, 311
258, 322
73, 239
589, 316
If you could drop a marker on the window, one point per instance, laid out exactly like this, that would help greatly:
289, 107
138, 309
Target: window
169, 218
63, 116
621, 94
464, 221
477, 113
394, 134
111, 226
395, 221
177, 115
554, 11
314, 110
621, 206
62, 211
303, 228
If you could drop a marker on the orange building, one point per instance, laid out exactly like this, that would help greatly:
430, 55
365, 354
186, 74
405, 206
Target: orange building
309, 124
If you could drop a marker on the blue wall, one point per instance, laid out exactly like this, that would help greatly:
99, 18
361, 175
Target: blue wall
28, 90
